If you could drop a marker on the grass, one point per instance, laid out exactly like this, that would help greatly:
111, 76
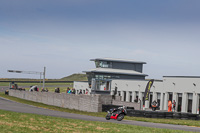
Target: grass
12, 122
103, 114
75, 77
51, 86
36, 83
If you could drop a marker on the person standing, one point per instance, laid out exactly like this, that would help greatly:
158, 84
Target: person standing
80, 92
169, 106
174, 105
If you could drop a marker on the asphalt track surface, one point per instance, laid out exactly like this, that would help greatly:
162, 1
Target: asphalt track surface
24, 108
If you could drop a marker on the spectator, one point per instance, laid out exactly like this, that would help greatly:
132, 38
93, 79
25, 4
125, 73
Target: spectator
86, 91
42, 90
73, 91
67, 90
35, 89
174, 105
169, 106
80, 92
57, 90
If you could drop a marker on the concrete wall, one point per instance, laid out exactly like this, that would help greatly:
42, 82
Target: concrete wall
90, 103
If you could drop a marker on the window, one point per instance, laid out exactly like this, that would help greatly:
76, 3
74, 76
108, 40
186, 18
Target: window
103, 64
106, 77
97, 64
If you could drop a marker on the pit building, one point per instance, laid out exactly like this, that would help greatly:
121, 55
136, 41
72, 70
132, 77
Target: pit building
125, 78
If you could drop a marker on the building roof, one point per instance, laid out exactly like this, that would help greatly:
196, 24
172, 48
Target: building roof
116, 71
118, 60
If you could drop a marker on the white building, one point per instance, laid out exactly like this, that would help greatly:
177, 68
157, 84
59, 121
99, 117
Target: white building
185, 90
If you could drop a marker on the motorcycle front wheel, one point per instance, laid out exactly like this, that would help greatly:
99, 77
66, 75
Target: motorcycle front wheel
120, 117
108, 117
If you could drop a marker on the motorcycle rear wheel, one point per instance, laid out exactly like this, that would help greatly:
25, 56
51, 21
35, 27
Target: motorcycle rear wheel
120, 117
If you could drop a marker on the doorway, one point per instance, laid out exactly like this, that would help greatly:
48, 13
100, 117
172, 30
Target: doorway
158, 98
170, 96
190, 97
130, 100
179, 102
124, 96
199, 104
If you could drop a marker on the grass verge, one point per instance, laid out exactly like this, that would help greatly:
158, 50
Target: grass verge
103, 114
12, 122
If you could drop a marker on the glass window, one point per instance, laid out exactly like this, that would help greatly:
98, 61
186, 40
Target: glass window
97, 64
106, 77
103, 64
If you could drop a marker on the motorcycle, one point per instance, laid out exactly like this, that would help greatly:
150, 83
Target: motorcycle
154, 105
117, 114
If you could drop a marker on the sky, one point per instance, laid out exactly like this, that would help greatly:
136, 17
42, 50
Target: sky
63, 35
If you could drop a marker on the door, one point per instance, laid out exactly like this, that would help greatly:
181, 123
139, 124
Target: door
124, 95
170, 96
179, 104
199, 104
130, 97
189, 105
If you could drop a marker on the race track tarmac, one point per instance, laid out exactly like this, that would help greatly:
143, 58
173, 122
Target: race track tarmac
23, 108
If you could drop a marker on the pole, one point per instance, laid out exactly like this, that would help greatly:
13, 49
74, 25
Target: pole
40, 80
44, 77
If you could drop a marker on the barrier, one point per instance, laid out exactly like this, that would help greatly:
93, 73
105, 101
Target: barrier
159, 114
89, 103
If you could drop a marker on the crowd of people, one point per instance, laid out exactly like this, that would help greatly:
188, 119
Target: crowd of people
44, 90
57, 90
71, 91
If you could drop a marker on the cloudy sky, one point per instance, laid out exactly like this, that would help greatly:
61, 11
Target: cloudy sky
63, 35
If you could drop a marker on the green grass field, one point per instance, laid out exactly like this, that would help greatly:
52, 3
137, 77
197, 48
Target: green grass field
103, 114
12, 122
51, 86
72, 77
36, 83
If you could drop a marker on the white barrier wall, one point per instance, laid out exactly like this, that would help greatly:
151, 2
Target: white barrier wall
90, 103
